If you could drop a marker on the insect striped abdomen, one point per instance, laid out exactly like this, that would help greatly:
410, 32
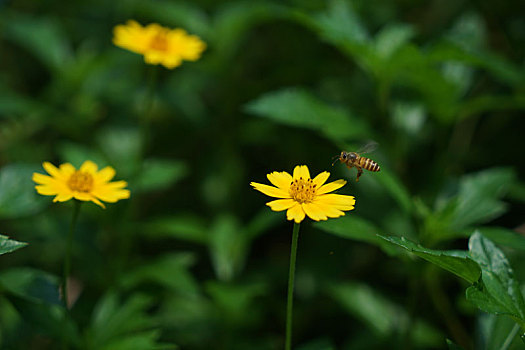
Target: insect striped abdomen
369, 164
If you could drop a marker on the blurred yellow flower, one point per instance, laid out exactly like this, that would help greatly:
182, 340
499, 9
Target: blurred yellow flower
300, 195
159, 45
85, 184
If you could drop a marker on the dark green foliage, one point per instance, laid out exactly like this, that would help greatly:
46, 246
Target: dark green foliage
194, 259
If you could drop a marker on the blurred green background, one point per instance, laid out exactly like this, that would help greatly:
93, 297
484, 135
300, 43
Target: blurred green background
194, 259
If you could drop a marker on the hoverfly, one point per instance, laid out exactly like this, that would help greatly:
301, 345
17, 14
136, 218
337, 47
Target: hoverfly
351, 159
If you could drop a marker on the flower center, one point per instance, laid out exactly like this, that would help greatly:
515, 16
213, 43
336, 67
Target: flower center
159, 42
80, 181
303, 190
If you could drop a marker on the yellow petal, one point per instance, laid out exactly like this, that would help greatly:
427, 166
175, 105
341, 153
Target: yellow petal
280, 179
320, 179
314, 211
281, 204
82, 196
89, 167
62, 197
111, 195
105, 174
46, 190
295, 213
329, 211
99, 203
338, 201
270, 190
52, 170
67, 170
301, 171
329, 187
42, 179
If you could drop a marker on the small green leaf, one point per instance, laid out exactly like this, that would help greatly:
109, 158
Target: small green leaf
8, 245
397, 190
123, 325
18, 196
158, 174
453, 346
457, 262
185, 227
503, 236
170, 271
228, 247
77, 154
391, 38
122, 147
42, 36
30, 284
233, 300
299, 108
382, 315
499, 292
356, 228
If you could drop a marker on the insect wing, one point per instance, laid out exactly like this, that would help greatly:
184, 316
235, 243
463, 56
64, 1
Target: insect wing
369, 147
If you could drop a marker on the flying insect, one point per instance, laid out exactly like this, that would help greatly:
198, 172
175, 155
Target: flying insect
354, 159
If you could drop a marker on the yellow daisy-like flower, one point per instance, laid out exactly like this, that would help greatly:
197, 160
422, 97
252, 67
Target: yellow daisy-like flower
85, 184
300, 195
159, 45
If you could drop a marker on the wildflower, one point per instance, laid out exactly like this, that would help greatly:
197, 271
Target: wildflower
159, 45
84, 184
300, 195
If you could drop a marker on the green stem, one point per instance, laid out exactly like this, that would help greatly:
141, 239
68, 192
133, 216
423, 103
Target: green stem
69, 245
67, 268
510, 337
291, 279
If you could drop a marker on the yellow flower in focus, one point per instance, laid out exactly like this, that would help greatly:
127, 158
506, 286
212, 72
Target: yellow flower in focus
159, 45
300, 195
84, 184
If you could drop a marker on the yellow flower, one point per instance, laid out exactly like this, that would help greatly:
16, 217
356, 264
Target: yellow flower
85, 184
159, 45
302, 195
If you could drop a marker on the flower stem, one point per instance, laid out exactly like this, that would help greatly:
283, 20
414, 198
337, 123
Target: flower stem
67, 256
291, 279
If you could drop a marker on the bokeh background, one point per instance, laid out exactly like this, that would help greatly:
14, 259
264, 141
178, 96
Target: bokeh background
194, 258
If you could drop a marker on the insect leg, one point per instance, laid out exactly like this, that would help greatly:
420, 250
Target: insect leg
359, 173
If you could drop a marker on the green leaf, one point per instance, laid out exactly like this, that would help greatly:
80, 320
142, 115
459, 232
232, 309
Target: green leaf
228, 247
397, 190
122, 147
457, 262
170, 271
77, 154
42, 36
380, 314
185, 227
123, 326
391, 38
8, 245
356, 228
158, 174
340, 24
18, 197
499, 292
318, 344
453, 346
233, 300
477, 201
495, 332
299, 108
30, 284
503, 236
